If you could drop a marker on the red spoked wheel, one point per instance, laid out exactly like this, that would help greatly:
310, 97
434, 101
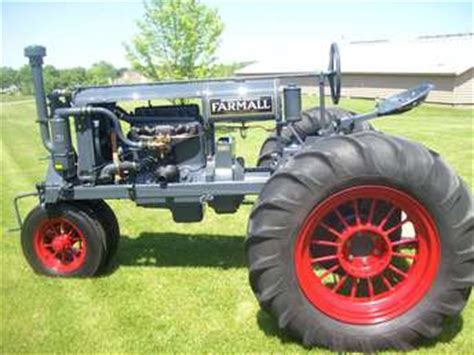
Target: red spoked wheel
357, 264
362, 242
60, 245
64, 240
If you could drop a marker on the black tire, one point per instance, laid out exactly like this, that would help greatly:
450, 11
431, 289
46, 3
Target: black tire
315, 175
109, 222
311, 122
83, 222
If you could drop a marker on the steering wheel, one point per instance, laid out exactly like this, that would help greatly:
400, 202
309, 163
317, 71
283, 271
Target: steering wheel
334, 73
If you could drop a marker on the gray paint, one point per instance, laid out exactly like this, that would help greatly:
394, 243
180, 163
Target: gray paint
36, 55
214, 174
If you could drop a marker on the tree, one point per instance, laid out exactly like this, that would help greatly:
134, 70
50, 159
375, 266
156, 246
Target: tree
177, 40
101, 73
71, 77
8, 77
24, 80
51, 78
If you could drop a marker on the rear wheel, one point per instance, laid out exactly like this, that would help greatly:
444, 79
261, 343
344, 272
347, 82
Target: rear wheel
371, 269
311, 122
63, 240
330, 263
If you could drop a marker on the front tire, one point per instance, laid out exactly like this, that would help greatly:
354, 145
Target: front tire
330, 267
109, 222
63, 240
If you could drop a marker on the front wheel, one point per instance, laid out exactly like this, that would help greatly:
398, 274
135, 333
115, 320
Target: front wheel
106, 217
330, 263
64, 240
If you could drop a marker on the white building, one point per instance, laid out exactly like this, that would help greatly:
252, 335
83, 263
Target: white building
373, 69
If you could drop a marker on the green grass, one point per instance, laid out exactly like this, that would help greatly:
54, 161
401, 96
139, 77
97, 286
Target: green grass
13, 97
177, 287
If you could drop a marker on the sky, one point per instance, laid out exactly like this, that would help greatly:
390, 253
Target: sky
84, 32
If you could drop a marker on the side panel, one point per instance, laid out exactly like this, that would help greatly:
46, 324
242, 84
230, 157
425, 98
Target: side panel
86, 160
149, 194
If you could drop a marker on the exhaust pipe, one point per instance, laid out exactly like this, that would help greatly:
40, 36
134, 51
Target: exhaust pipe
36, 54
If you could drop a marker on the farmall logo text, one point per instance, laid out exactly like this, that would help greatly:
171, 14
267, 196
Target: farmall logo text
263, 104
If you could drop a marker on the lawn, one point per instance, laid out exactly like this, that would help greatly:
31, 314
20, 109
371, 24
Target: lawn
176, 287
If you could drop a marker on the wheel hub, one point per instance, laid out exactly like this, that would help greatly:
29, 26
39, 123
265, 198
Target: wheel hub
365, 254
61, 243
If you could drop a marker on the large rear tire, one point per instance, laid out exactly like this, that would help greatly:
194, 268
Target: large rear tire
311, 122
382, 290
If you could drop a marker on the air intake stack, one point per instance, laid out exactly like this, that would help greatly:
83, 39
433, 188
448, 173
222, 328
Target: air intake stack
36, 54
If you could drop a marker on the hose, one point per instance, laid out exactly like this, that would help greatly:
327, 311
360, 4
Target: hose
112, 169
79, 111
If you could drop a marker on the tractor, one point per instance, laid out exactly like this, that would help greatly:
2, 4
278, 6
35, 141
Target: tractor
357, 240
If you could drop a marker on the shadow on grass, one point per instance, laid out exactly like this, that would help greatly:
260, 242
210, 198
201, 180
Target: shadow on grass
268, 324
452, 326
173, 249
204, 250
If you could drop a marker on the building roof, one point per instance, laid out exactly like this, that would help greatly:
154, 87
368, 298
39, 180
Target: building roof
443, 55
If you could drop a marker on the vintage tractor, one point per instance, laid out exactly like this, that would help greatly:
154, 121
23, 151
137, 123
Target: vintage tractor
358, 240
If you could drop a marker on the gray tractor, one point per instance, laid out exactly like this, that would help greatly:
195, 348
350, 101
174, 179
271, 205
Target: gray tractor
358, 240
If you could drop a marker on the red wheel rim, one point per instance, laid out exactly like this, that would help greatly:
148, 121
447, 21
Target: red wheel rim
367, 254
60, 245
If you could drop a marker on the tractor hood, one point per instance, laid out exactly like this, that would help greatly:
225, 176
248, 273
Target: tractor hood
225, 99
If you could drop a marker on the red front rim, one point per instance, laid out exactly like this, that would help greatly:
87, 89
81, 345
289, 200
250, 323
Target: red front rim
367, 254
60, 245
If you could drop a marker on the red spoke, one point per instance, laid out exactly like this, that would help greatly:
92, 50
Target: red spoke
397, 270
384, 221
51, 232
397, 226
404, 242
356, 211
353, 287
324, 242
341, 217
386, 282
328, 272
339, 284
371, 211
74, 236
331, 230
323, 258
71, 233
57, 230
371, 287
403, 255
